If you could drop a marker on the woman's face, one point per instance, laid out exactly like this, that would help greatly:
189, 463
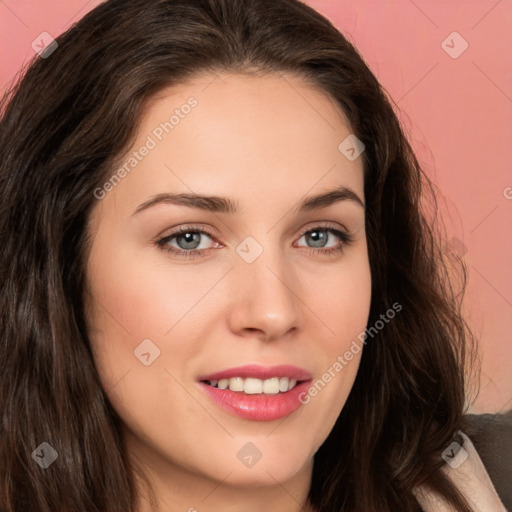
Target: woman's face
254, 292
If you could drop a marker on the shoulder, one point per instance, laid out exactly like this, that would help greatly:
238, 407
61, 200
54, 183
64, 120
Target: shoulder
491, 435
465, 468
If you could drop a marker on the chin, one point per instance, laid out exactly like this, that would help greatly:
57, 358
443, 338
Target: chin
277, 466
260, 477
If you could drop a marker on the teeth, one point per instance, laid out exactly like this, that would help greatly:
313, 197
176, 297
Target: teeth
236, 384
252, 386
283, 384
223, 384
271, 386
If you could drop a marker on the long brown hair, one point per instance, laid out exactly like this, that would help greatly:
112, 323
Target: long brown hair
63, 125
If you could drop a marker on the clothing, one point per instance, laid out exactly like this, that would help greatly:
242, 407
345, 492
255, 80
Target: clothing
465, 468
491, 435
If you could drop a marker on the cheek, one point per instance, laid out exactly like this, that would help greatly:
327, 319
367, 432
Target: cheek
141, 306
342, 300
144, 297
344, 303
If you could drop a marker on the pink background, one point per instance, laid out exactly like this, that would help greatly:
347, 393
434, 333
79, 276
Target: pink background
456, 111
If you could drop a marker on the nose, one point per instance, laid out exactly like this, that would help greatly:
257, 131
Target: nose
265, 302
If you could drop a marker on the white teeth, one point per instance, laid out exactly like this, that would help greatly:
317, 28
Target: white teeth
271, 386
251, 386
223, 383
283, 384
236, 384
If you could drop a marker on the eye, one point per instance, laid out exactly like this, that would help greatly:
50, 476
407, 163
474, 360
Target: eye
187, 241
319, 236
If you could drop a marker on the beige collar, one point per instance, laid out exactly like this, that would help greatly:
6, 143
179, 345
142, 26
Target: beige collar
465, 468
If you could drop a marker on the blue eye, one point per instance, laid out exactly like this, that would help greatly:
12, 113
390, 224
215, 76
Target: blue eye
191, 239
320, 235
188, 241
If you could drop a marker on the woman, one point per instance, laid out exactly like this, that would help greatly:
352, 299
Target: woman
176, 178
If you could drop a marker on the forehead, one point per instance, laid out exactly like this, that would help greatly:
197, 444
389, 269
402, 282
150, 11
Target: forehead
254, 138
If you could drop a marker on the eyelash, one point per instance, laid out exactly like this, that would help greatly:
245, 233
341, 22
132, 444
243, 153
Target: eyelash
346, 240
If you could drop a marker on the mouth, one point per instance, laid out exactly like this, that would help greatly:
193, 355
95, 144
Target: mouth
252, 386
257, 393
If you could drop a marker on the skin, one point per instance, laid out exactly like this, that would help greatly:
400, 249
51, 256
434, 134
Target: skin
266, 142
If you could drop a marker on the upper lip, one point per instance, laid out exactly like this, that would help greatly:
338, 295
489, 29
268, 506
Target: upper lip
260, 372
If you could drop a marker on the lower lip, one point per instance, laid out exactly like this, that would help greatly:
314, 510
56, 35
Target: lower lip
258, 407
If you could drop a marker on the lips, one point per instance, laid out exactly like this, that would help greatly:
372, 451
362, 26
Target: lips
259, 372
255, 392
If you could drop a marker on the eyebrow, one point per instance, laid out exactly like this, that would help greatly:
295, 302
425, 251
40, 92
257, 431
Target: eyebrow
225, 205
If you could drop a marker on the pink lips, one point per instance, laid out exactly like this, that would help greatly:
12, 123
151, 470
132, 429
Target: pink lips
260, 372
258, 407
